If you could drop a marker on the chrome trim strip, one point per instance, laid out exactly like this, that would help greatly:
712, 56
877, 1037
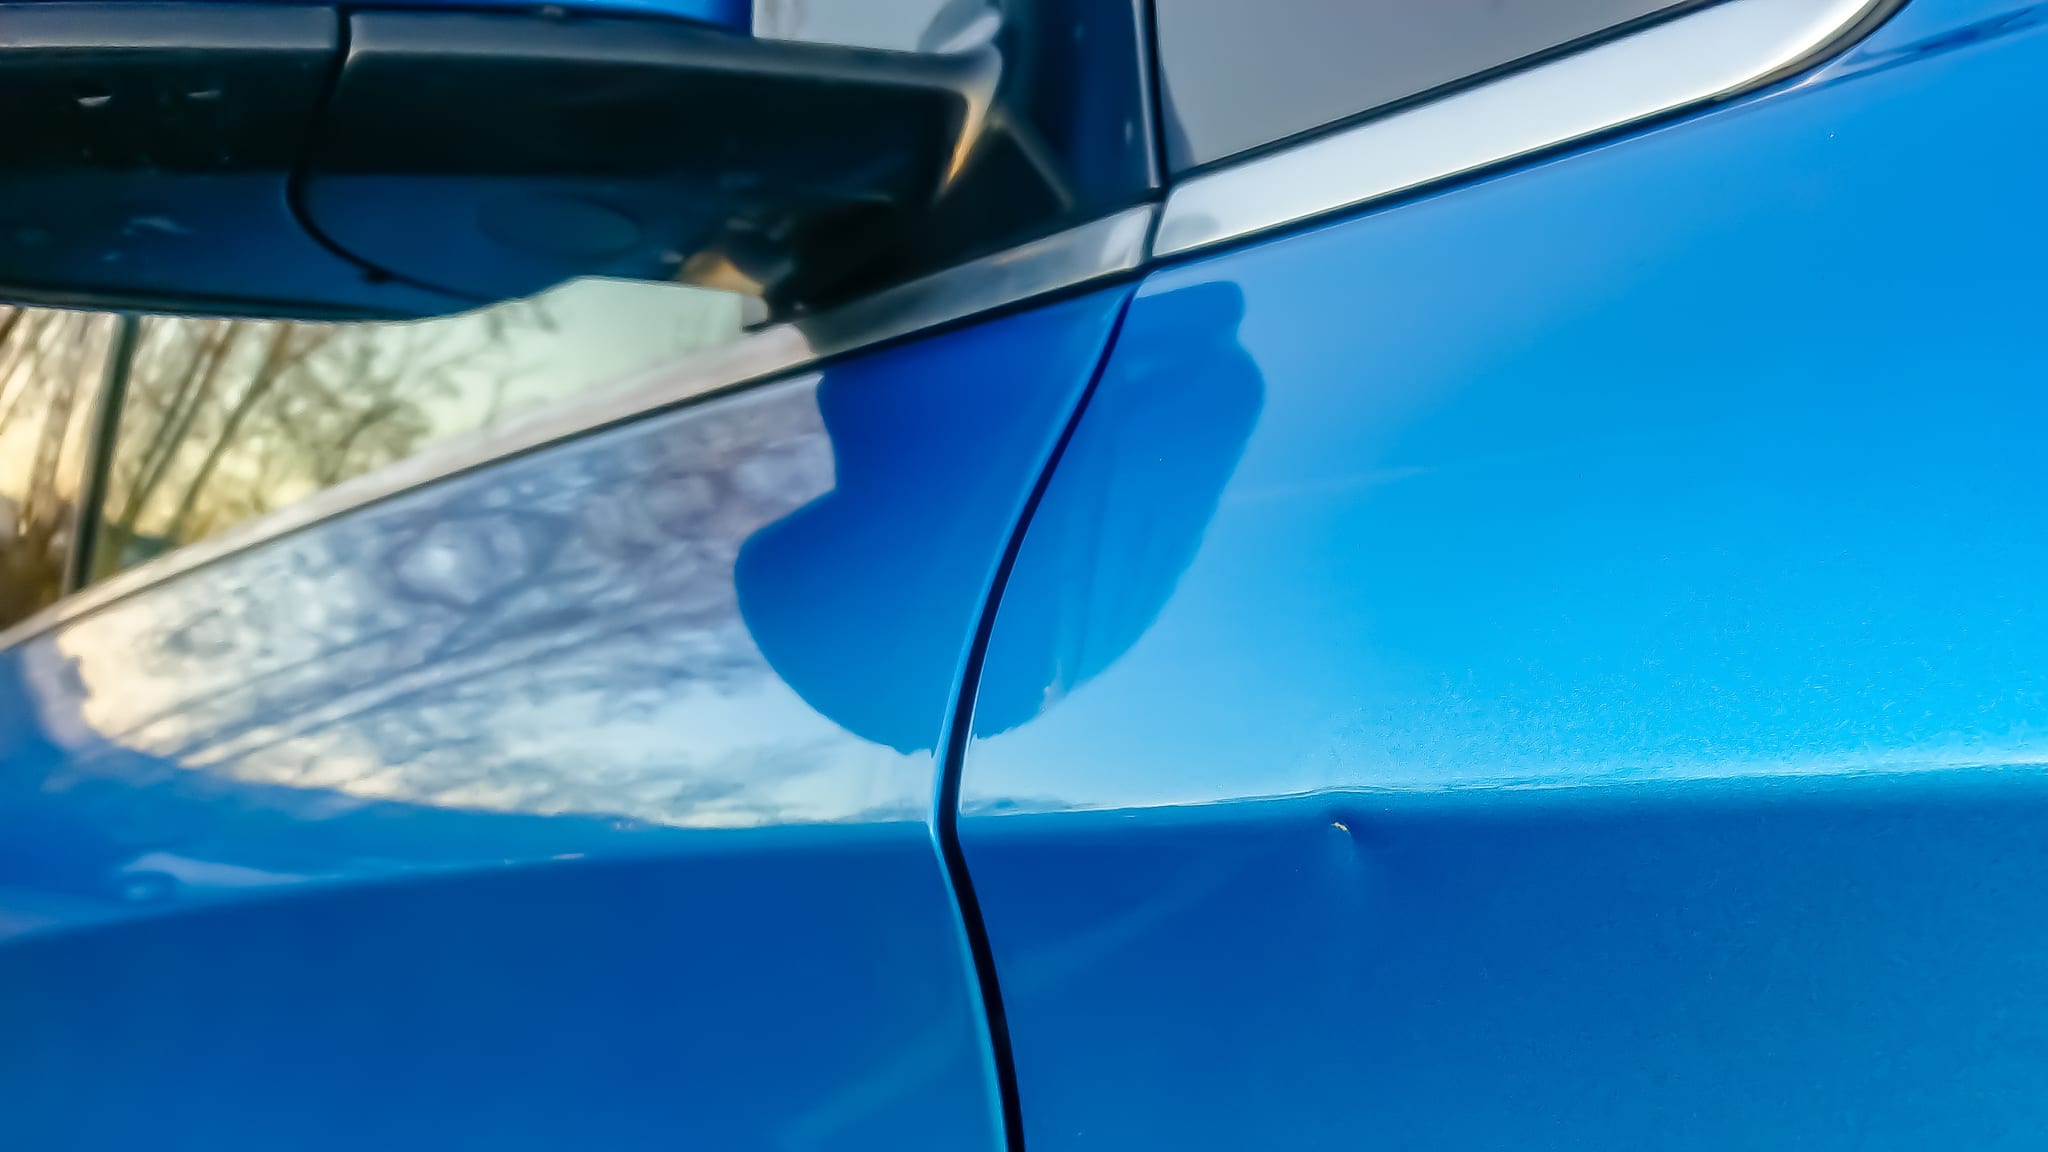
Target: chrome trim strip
1100, 248
1086, 252
1702, 55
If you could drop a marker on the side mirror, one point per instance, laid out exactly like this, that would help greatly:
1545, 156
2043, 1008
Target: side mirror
305, 161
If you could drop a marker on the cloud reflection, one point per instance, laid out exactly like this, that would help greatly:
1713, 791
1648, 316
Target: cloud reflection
555, 637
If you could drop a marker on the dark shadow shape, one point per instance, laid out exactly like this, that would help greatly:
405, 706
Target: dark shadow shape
1129, 504
851, 598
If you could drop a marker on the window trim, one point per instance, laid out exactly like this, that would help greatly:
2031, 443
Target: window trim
1088, 253
1650, 72
1698, 57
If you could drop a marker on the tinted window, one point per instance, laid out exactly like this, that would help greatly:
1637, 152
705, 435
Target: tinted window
1066, 138
51, 364
225, 420
1235, 75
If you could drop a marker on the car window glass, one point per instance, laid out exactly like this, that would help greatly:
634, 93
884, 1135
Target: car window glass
1236, 75
51, 366
226, 420
900, 25
1066, 137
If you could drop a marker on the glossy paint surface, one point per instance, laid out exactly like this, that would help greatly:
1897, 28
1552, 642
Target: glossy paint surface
581, 801
1559, 663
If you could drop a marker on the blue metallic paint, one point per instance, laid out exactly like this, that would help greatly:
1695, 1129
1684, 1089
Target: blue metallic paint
495, 816
1603, 706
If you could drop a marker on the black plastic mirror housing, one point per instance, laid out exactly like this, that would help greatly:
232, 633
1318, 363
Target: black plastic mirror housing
298, 161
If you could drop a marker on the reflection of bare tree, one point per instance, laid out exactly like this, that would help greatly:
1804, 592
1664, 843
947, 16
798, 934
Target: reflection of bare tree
226, 419
559, 634
50, 367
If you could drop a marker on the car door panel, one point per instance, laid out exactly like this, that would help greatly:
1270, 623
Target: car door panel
582, 800
1593, 697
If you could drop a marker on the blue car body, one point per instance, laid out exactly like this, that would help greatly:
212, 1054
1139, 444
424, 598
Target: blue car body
1554, 661
1604, 706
